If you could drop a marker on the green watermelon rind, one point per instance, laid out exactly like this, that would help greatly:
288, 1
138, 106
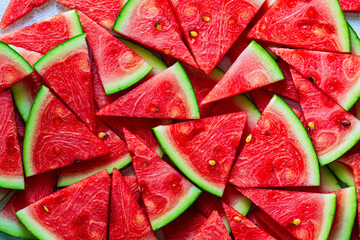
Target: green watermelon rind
328, 179
355, 41
14, 229
23, 104
342, 172
243, 206
245, 104
32, 224
124, 15
186, 201
10, 182
69, 180
30, 129
157, 64
59, 51
76, 28
328, 216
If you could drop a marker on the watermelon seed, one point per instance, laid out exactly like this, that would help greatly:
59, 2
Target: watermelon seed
206, 18
158, 26
249, 138
145, 164
45, 208
296, 222
193, 34
56, 150
154, 109
345, 123
312, 79
167, 51
231, 21
212, 162
102, 135
311, 125
139, 188
237, 219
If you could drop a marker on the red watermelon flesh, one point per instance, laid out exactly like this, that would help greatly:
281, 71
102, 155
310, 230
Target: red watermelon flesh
36, 188
20, 124
213, 228
90, 211
210, 28
127, 220
243, 228
314, 24
117, 65
66, 70
338, 75
165, 192
185, 226
254, 68
313, 212
285, 88
11, 168
103, 12
193, 144
332, 135
55, 138
156, 27
16, 9
133, 185
118, 157
168, 95
42, 36
269, 225
350, 5
278, 153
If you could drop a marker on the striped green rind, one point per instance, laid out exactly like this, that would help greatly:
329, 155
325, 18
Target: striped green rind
124, 15
342, 172
328, 216
355, 41
10, 53
185, 202
15, 229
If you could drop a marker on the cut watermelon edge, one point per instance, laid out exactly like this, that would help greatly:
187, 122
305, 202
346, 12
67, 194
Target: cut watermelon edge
7, 51
339, 18
328, 215
342, 172
14, 229
73, 17
21, 101
245, 104
12, 182
124, 15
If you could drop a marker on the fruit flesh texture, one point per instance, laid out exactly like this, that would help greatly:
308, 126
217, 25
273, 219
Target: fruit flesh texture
213, 228
350, 5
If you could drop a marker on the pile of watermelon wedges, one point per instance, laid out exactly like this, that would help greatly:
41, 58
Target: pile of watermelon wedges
180, 120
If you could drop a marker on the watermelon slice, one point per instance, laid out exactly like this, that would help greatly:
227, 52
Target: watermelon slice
350, 5
338, 75
156, 27
20, 125
211, 27
118, 157
168, 95
11, 169
41, 36
355, 41
118, 66
127, 221
90, 211
204, 150
345, 214
236, 200
332, 130
254, 68
36, 188
305, 215
213, 228
277, 153
133, 185
13, 67
24, 92
269, 225
17, 9
66, 70
242, 227
343, 172
103, 12
165, 192
185, 226
55, 138
317, 25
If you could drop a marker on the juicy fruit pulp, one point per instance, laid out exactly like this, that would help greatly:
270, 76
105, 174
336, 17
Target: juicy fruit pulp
213, 228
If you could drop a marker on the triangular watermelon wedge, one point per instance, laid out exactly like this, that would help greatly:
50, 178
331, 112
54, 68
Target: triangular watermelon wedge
278, 152
156, 27
118, 157
90, 211
307, 216
13, 67
66, 70
159, 183
242, 227
103, 12
118, 66
55, 138
127, 220
36, 188
213, 228
41, 36
24, 92
332, 130
17, 9
338, 75
11, 168
204, 149
254, 68
210, 28
168, 95
317, 25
